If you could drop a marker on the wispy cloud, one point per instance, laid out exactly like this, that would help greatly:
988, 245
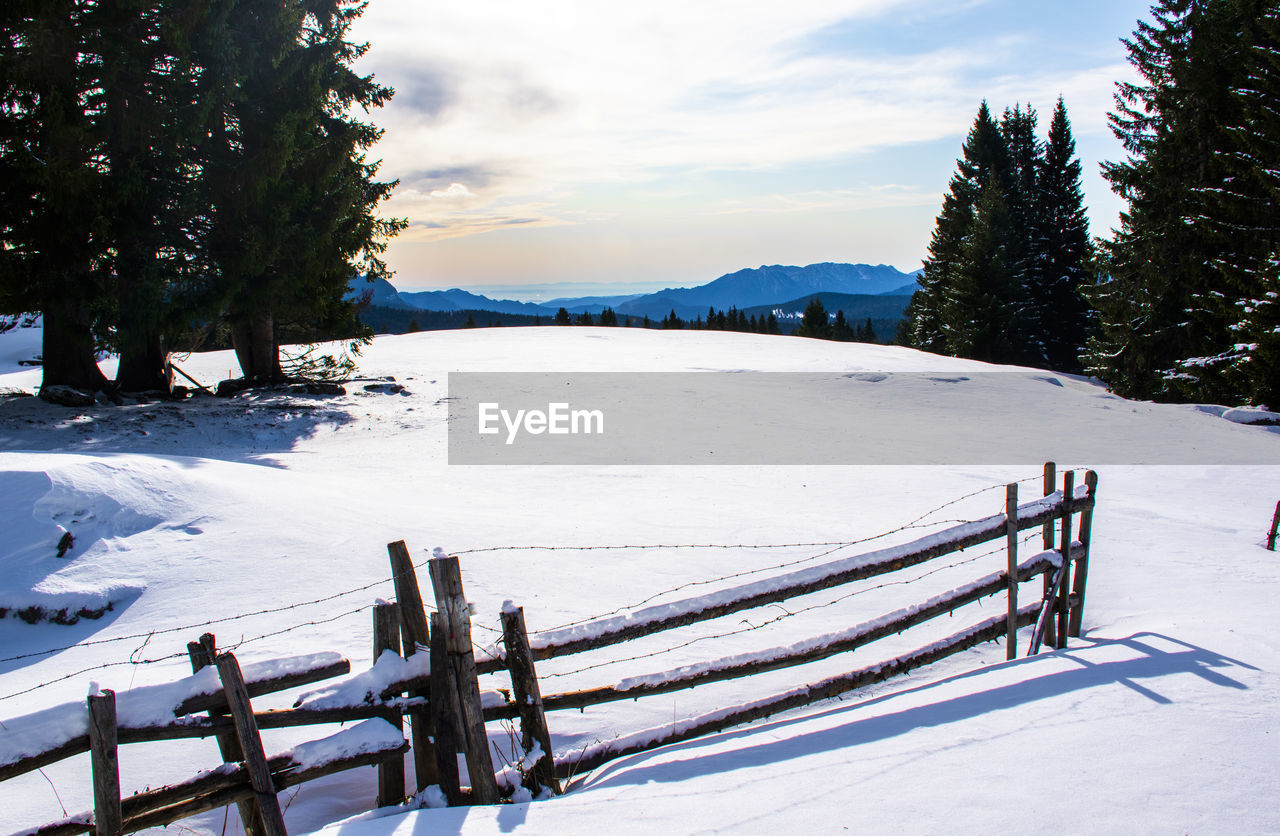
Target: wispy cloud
511, 110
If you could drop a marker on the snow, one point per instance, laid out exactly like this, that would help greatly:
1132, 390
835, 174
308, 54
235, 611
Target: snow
367, 686
376, 735
264, 519
153, 705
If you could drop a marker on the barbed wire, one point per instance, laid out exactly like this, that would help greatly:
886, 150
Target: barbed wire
213, 621
787, 613
916, 523
831, 547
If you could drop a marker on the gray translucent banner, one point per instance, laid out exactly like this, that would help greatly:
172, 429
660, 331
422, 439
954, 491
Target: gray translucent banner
863, 418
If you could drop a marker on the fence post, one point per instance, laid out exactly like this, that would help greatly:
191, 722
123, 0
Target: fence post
386, 636
1064, 588
415, 635
446, 579
1011, 538
1050, 479
1275, 527
528, 696
107, 819
202, 653
255, 759
1082, 565
445, 717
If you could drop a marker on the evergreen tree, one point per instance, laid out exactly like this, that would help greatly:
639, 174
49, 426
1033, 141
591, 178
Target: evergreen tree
672, 322
1024, 314
976, 316
293, 194
869, 333
1009, 253
771, 325
984, 157
51, 218
1061, 273
814, 322
1188, 251
471, 321
584, 318
841, 330
562, 317
608, 317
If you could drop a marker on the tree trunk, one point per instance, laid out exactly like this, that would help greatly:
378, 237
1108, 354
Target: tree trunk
144, 365
69, 358
256, 350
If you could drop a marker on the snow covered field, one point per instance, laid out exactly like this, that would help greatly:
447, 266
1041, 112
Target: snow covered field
1162, 718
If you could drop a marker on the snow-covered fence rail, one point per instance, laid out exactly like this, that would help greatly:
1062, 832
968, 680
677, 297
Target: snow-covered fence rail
426, 668
612, 630
1058, 614
168, 712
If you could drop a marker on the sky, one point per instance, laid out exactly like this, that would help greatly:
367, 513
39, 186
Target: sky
553, 147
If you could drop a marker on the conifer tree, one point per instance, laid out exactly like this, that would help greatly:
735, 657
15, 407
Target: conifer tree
976, 317
562, 317
1061, 273
1185, 256
51, 218
814, 322
983, 157
841, 330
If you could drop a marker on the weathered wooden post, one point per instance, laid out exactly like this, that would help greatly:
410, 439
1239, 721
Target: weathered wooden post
107, 818
415, 636
528, 696
255, 759
1082, 565
445, 716
1050, 480
1064, 587
202, 653
386, 636
446, 579
1011, 542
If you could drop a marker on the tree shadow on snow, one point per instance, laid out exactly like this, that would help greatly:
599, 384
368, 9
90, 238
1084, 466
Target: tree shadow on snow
1140, 674
249, 427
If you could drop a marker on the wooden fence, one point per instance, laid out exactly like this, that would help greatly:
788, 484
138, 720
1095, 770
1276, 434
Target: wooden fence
426, 669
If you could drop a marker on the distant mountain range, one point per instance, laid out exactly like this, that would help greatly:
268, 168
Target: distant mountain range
745, 289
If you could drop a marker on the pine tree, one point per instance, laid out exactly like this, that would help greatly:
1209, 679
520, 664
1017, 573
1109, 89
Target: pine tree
51, 218
984, 157
869, 333
608, 318
294, 198
814, 322
584, 318
1061, 272
841, 330
1025, 313
1184, 257
562, 317
976, 318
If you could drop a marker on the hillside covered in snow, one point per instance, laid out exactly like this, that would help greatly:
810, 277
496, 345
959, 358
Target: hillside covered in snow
186, 516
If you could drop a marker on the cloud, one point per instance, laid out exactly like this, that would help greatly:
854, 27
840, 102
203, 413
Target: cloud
559, 114
455, 190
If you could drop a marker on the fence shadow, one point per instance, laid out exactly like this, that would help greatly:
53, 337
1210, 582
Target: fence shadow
1140, 674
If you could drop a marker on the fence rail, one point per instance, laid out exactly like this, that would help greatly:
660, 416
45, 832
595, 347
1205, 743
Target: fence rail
447, 710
